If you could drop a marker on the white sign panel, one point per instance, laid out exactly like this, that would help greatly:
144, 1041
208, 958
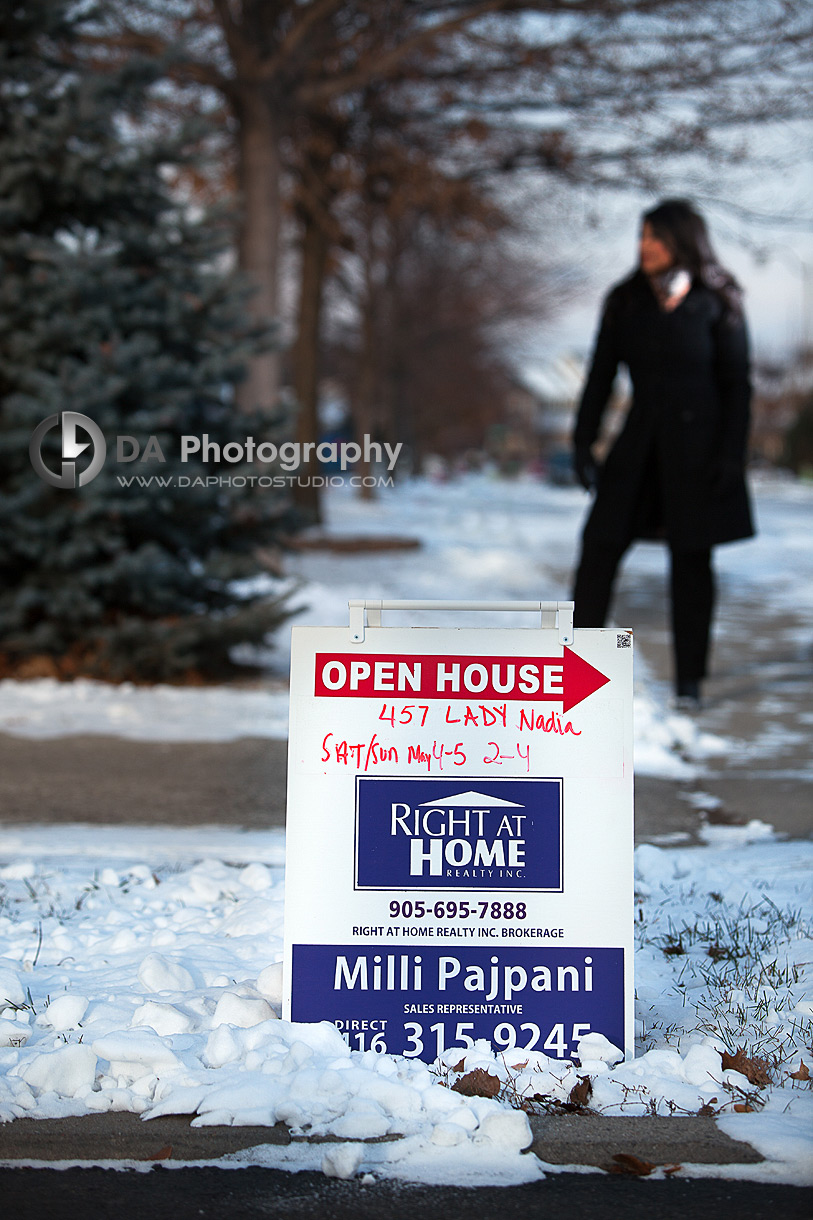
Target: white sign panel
459, 859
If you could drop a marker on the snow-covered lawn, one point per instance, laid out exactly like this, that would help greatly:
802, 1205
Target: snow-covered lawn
140, 966
145, 976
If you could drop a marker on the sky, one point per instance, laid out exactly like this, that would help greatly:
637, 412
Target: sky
771, 257
778, 285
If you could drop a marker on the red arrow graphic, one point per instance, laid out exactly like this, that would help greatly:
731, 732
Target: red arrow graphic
580, 679
359, 675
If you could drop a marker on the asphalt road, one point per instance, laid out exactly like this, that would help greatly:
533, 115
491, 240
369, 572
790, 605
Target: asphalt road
256, 1194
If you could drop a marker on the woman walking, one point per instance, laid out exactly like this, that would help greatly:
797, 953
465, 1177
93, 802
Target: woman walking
677, 469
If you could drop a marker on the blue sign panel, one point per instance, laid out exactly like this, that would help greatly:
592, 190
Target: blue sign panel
458, 834
417, 1000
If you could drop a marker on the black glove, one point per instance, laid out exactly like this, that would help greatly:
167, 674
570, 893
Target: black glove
586, 469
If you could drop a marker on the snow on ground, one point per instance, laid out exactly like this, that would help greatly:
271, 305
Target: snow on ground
143, 975
486, 538
45, 707
140, 967
483, 539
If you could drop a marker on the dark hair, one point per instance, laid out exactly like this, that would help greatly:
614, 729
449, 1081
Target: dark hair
683, 231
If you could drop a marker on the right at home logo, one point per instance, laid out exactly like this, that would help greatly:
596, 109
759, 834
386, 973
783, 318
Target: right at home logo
434, 834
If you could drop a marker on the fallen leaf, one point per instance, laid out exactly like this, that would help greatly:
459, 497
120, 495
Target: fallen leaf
670, 1169
164, 1154
581, 1092
625, 1162
743, 1109
802, 1074
754, 1070
478, 1083
458, 1067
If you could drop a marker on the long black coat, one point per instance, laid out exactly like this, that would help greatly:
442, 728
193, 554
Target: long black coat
676, 470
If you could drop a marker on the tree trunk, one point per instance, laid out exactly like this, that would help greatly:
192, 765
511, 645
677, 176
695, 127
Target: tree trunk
389, 416
315, 247
258, 238
368, 377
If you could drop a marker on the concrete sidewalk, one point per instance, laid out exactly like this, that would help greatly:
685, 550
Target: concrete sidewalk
759, 695
558, 1140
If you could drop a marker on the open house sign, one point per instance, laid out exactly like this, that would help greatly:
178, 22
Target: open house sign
459, 859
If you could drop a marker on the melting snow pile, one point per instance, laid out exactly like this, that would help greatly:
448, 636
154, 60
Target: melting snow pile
668, 743
153, 986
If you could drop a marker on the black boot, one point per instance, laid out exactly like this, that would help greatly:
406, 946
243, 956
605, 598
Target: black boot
687, 695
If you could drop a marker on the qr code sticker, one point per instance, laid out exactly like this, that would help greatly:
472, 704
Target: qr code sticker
623, 640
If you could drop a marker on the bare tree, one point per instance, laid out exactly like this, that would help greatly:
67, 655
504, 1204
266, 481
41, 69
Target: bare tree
366, 185
594, 90
436, 355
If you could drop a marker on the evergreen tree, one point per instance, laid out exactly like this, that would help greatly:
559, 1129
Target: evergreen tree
114, 304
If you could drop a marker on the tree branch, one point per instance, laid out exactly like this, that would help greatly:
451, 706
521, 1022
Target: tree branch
384, 65
297, 34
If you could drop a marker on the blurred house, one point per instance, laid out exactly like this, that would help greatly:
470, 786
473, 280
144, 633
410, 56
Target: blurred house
557, 386
782, 396
538, 418
543, 405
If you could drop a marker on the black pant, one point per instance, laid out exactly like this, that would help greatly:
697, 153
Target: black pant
692, 590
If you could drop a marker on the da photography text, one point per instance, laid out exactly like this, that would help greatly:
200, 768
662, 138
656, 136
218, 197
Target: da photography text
289, 456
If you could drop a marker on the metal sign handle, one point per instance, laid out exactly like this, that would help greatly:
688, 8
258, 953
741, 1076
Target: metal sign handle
366, 612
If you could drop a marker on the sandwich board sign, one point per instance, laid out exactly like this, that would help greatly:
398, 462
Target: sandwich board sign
459, 842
